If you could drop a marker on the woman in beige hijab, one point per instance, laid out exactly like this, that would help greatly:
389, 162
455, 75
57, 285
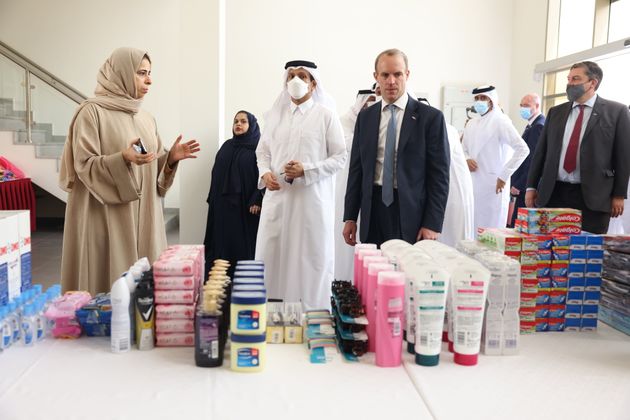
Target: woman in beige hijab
114, 212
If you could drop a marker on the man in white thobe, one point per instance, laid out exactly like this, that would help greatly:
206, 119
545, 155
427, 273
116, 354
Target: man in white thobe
298, 155
344, 253
460, 207
493, 150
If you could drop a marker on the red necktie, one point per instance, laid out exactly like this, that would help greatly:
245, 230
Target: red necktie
570, 159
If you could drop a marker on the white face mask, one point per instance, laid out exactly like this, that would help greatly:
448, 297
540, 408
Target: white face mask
297, 88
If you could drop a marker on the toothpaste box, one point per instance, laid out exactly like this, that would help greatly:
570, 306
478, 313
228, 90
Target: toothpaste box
528, 327
594, 242
592, 297
561, 241
544, 282
528, 299
529, 257
588, 324
544, 255
542, 311
590, 311
577, 284
594, 256
529, 284
545, 242
559, 282
593, 270
577, 242
575, 298
560, 254
527, 314
543, 296
544, 269
576, 270
572, 324
542, 324
547, 220
556, 324
529, 271
573, 311
557, 311
558, 296
577, 256
593, 284
559, 268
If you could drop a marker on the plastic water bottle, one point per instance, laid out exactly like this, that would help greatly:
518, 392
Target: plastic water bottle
29, 327
6, 332
14, 319
121, 322
40, 320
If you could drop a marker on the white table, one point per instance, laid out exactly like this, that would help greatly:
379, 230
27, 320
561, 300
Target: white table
556, 376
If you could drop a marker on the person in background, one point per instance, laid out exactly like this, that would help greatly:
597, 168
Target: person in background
344, 253
399, 167
459, 217
582, 158
530, 112
234, 199
115, 170
299, 153
493, 150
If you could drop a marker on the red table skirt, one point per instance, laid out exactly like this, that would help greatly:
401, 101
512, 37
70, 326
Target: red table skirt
18, 195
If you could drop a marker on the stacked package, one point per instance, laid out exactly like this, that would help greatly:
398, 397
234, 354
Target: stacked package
95, 316
549, 221
501, 324
15, 254
615, 304
586, 256
177, 275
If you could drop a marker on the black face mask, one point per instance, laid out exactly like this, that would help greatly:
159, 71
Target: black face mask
575, 92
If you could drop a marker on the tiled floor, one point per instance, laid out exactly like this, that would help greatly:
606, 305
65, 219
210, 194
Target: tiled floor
46, 245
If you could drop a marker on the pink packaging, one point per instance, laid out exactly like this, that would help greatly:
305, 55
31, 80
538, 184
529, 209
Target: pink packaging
358, 267
367, 261
390, 295
357, 248
62, 313
370, 307
175, 296
174, 282
174, 311
174, 267
174, 326
175, 340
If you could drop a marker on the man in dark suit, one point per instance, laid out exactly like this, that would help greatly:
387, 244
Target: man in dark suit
583, 156
530, 111
399, 165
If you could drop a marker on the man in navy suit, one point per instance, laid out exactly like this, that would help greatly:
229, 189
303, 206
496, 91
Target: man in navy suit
530, 111
582, 160
399, 165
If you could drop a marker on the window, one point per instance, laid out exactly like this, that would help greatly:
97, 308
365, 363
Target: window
618, 25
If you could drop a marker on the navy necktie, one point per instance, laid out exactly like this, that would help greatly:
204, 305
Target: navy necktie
388, 161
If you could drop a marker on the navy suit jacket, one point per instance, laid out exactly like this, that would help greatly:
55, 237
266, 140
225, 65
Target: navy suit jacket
422, 169
530, 135
604, 154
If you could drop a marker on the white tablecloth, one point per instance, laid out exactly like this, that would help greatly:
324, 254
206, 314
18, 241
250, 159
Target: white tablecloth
556, 376
82, 379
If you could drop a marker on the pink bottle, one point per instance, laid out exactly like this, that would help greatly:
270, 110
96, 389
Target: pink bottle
357, 248
390, 295
367, 260
370, 293
358, 266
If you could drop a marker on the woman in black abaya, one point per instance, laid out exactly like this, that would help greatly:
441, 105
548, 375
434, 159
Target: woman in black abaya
234, 200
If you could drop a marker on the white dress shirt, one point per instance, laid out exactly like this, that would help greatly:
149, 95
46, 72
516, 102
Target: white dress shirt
400, 105
574, 177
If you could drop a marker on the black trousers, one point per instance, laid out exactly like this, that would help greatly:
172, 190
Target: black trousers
519, 203
384, 220
570, 195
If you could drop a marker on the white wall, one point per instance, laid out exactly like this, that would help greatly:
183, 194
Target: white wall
528, 49
450, 42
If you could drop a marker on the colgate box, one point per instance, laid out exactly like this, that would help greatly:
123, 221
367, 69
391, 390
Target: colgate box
549, 220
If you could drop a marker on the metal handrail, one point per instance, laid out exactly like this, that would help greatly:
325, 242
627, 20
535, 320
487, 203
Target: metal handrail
43, 74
